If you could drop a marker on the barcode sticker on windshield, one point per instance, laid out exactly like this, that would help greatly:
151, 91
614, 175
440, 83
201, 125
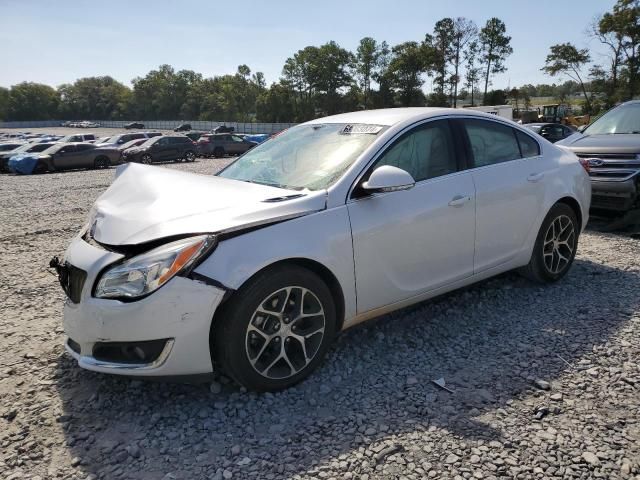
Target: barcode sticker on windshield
360, 128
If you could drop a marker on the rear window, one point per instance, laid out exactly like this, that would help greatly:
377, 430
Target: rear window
528, 146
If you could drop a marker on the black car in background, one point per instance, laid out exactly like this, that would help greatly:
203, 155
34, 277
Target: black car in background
162, 149
551, 131
184, 127
195, 136
133, 125
223, 129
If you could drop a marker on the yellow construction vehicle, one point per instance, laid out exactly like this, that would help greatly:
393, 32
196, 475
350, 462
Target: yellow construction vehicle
562, 113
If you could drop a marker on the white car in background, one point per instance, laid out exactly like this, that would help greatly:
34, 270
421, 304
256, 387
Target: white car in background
335, 221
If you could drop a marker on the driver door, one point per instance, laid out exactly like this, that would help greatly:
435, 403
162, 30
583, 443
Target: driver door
413, 241
65, 157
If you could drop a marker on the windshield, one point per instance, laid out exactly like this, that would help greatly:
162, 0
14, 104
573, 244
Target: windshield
622, 119
150, 141
306, 156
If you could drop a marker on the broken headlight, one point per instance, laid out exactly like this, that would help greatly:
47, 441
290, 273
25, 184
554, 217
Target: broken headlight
145, 273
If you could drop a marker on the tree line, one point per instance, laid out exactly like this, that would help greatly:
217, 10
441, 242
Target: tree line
458, 57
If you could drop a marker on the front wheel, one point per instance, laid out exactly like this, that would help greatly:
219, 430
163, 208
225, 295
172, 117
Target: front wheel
555, 246
189, 157
146, 159
276, 329
101, 162
40, 168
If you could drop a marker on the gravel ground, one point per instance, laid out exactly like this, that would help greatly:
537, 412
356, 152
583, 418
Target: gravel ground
545, 380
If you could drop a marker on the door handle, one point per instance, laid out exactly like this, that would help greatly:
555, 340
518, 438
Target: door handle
459, 200
535, 177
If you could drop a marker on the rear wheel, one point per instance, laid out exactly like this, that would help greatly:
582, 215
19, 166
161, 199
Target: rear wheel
555, 246
276, 329
218, 152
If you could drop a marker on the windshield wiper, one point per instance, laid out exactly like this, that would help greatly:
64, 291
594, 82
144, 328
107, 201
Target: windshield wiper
276, 185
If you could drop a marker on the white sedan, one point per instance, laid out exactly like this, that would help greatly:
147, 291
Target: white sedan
333, 222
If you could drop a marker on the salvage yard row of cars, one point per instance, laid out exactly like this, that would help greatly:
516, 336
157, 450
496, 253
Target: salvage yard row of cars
27, 153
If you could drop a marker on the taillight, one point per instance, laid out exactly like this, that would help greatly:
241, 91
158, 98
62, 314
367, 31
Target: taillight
585, 164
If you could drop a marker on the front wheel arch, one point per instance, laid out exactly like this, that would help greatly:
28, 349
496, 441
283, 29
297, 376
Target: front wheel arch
327, 276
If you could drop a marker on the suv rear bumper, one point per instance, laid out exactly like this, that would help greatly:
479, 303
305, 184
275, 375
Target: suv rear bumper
615, 196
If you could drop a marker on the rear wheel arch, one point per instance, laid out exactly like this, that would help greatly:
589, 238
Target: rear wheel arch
575, 206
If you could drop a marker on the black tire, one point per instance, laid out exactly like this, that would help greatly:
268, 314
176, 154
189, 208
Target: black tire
101, 162
542, 266
146, 159
231, 339
218, 152
40, 168
189, 156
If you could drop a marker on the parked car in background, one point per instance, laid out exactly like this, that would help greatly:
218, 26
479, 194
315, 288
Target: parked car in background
257, 138
122, 138
220, 144
88, 124
8, 146
610, 147
132, 125
78, 137
551, 131
256, 269
194, 136
162, 149
223, 129
65, 156
25, 149
183, 127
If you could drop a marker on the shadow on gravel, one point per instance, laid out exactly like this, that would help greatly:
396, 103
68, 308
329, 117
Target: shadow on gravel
489, 342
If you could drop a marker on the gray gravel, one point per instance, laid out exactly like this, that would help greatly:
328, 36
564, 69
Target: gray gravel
546, 380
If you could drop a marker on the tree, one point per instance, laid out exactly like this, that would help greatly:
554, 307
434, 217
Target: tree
514, 93
275, 104
464, 33
32, 101
442, 48
369, 60
4, 103
565, 58
615, 43
333, 73
407, 64
97, 98
473, 70
624, 23
495, 48
495, 97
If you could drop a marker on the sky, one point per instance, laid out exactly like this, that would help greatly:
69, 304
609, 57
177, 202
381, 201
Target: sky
55, 42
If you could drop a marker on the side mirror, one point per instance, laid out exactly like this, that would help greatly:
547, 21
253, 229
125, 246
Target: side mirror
388, 179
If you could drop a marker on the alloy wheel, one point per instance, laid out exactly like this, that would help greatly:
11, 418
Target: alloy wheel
559, 244
190, 156
285, 332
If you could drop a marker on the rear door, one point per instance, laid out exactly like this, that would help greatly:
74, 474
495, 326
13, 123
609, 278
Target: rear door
510, 178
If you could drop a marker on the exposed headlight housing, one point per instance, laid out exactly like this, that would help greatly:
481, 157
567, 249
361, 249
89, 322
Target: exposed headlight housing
143, 274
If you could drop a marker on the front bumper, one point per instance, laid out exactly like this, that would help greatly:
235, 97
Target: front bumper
180, 312
615, 196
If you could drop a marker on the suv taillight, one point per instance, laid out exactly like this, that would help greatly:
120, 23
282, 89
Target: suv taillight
585, 164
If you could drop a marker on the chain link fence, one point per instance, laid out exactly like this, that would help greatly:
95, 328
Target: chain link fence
252, 128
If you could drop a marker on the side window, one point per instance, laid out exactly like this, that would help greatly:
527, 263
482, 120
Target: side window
75, 138
67, 149
89, 137
163, 141
236, 139
528, 146
425, 152
83, 148
491, 142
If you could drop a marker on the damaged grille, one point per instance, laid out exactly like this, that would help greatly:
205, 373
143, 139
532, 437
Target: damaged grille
612, 167
72, 281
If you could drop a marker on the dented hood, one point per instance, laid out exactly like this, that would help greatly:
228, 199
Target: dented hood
146, 203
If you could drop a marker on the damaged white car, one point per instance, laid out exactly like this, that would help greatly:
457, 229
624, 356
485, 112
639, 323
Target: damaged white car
335, 221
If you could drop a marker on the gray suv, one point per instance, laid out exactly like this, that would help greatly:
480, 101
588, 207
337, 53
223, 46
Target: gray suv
610, 149
221, 144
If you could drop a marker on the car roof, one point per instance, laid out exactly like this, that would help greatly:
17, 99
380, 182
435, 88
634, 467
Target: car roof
392, 116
